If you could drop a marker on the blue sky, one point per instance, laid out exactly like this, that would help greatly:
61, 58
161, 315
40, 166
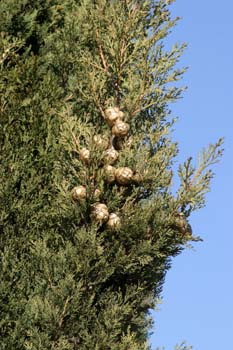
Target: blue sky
198, 292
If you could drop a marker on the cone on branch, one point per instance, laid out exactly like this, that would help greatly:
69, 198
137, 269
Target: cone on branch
124, 175
111, 156
182, 224
137, 178
100, 212
79, 193
114, 221
120, 128
112, 114
109, 174
85, 155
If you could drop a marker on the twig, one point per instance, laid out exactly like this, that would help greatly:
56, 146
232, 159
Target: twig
98, 104
143, 108
68, 98
64, 311
96, 66
103, 59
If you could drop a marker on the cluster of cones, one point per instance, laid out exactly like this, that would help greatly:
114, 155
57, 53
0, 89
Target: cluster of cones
123, 176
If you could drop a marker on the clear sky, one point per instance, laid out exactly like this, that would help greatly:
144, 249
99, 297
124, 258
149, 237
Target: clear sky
198, 293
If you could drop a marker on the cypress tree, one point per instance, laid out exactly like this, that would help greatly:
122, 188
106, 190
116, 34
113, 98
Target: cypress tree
89, 220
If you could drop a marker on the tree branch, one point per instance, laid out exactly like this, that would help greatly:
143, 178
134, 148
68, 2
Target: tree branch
101, 53
64, 311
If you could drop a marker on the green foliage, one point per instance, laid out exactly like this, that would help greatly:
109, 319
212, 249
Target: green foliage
182, 346
68, 281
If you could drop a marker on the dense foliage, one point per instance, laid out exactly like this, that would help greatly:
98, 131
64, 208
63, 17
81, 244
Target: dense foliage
67, 279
